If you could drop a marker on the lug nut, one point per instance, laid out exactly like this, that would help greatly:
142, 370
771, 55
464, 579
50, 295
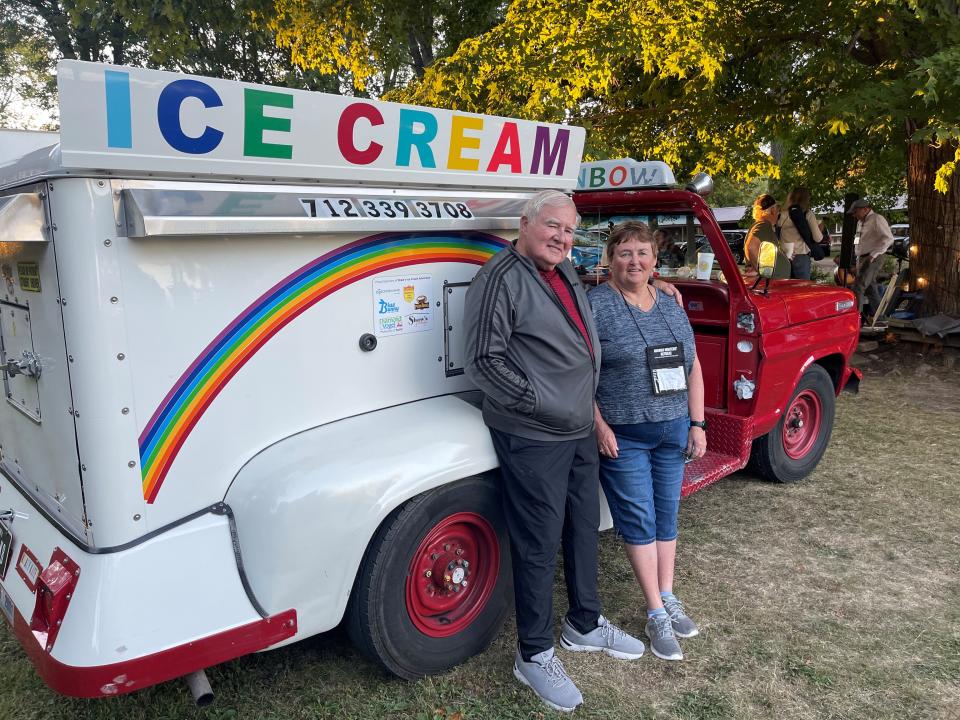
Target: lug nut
446, 578
466, 563
463, 584
434, 556
450, 565
446, 547
459, 551
428, 573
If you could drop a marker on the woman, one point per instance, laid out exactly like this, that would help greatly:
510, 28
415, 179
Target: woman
799, 227
765, 213
649, 417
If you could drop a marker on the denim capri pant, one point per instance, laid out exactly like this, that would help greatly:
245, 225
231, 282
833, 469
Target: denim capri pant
642, 484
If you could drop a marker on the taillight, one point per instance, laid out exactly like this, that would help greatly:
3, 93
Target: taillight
54, 592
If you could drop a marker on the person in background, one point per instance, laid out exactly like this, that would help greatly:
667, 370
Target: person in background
826, 241
649, 418
668, 253
531, 347
765, 213
799, 231
875, 239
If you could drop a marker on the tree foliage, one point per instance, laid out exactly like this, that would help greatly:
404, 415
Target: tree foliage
840, 85
377, 45
222, 39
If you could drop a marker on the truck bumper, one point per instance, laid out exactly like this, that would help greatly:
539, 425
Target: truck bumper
101, 621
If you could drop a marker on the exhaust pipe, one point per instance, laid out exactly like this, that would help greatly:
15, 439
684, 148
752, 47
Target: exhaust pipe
199, 688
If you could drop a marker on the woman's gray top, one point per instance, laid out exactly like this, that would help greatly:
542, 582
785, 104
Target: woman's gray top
625, 393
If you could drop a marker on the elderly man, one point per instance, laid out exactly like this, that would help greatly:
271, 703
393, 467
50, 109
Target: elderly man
875, 238
532, 349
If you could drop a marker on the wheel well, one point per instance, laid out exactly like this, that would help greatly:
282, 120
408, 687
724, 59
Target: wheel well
833, 364
397, 509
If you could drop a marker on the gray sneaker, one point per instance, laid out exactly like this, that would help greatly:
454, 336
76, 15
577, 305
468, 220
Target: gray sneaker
683, 626
544, 674
663, 641
606, 637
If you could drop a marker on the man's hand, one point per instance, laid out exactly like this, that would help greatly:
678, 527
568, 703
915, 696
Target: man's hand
669, 289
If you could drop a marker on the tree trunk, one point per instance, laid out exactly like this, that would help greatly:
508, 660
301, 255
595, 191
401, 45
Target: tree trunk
934, 229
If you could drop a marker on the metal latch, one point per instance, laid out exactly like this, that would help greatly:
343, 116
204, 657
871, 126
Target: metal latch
28, 364
11, 514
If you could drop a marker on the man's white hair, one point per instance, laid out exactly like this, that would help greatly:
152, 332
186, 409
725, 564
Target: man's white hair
535, 205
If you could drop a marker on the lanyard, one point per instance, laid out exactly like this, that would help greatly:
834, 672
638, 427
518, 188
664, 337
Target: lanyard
666, 363
631, 311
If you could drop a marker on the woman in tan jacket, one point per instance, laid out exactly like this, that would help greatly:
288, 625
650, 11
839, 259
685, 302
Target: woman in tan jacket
798, 229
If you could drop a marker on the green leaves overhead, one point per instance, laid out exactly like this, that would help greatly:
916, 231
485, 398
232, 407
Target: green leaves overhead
376, 45
839, 85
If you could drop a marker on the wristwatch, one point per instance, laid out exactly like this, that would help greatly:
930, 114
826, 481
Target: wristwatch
702, 424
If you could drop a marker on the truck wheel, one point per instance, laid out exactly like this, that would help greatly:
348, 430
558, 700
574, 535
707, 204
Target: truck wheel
434, 586
793, 448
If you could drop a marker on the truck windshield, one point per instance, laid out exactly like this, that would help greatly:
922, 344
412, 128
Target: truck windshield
676, 234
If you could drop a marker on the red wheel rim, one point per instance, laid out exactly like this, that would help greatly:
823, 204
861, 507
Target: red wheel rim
452, 574
801, 424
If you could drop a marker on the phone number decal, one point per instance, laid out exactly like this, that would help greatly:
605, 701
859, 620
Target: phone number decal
377, 208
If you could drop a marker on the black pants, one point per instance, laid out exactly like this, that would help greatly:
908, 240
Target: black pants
551, 496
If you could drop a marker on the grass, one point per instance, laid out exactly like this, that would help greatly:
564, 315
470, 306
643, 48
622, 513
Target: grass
836, 597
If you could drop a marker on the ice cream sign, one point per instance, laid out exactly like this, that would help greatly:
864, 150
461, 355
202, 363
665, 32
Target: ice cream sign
119, 118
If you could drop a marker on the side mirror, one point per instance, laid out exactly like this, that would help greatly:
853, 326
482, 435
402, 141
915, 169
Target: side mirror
701, 184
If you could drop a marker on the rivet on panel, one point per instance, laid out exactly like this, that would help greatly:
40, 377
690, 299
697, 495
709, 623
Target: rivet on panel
120, 356
107, 242
131, 464
136, 517
114, 300
125, 411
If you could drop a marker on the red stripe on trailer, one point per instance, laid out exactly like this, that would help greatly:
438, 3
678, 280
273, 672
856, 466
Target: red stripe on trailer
138, 673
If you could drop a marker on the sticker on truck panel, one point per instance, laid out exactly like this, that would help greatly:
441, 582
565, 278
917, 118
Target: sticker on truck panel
28, 567
29, 273
401, 305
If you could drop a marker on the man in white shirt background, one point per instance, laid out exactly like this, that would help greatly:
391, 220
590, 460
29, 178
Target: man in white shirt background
875, 238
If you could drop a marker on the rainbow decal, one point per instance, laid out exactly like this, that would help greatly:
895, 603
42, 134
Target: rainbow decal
186, 402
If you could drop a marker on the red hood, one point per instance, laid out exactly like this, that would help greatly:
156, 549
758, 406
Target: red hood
791, 302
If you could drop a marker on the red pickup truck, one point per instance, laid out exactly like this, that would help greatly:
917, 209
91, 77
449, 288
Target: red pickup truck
774, 358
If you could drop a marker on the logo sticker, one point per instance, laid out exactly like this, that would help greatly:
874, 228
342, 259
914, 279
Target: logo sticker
401, 305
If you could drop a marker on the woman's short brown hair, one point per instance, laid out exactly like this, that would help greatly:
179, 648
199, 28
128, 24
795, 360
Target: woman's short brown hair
629, 230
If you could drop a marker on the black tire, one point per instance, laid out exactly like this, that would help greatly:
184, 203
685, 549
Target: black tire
380, 616
791, 456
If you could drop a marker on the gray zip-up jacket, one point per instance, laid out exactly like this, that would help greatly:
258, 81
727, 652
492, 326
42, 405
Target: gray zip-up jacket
523, 351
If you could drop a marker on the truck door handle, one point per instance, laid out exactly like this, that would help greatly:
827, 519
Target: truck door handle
28, 364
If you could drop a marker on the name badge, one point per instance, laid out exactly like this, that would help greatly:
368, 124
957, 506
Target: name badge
668, 372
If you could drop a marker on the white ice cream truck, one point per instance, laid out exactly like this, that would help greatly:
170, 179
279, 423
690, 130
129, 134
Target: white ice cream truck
235, 413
